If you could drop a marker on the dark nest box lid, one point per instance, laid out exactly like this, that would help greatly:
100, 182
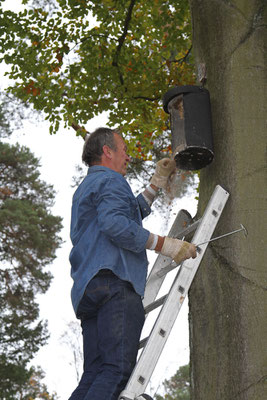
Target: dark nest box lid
191, 129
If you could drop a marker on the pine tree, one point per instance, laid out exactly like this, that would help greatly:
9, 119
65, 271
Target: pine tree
28, 242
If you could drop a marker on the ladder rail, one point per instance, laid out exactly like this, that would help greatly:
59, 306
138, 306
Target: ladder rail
173, 302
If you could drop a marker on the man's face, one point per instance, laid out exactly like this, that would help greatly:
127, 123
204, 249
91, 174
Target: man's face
120, 158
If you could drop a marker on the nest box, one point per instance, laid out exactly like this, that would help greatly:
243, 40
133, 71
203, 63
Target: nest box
191, 128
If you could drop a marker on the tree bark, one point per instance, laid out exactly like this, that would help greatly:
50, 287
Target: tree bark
228, 298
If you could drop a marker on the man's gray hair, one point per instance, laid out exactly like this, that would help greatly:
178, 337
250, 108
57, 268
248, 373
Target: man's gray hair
93, 146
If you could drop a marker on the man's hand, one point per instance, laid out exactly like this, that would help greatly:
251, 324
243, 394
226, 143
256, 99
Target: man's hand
164, 169
178, 250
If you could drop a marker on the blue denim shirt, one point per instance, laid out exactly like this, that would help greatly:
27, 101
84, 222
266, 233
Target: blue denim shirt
107, 232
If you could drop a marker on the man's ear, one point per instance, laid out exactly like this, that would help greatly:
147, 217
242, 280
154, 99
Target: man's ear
107, 152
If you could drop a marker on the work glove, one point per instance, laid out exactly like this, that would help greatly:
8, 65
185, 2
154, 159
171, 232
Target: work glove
178, 250
164, 168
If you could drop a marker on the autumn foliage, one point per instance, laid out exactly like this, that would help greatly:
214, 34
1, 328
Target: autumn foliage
75, 59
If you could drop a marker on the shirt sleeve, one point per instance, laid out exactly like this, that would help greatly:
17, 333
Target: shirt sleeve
145, 208
119, 215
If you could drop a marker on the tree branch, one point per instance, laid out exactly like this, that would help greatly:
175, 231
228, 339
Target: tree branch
122, 39
183, 59
146, 98
80, 129
97, 35
124, 33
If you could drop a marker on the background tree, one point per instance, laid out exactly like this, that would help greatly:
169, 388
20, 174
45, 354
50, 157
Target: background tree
72, 339
178, 386
228, 299
28, 242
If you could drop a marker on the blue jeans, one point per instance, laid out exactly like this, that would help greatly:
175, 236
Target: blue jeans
112, 317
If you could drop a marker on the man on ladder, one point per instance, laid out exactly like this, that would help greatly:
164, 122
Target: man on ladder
109, 264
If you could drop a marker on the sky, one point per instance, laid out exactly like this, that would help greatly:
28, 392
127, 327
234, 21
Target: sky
59, 154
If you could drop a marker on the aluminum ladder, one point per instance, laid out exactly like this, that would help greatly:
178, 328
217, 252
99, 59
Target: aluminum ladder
171, 303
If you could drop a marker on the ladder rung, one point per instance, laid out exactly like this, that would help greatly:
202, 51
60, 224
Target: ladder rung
164, 271
155, 304
143, 342
149, 308
191, 228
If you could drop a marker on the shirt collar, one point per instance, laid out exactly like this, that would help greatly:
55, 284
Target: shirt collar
98, 168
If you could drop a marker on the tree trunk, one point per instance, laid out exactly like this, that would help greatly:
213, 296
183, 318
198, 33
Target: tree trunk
228, 298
